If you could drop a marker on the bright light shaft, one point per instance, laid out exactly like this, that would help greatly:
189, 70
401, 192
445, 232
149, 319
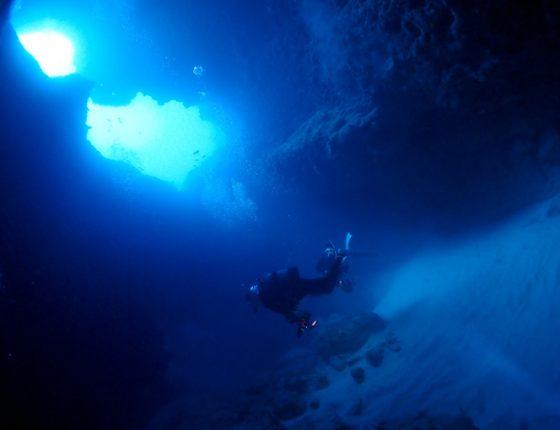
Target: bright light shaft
165, 141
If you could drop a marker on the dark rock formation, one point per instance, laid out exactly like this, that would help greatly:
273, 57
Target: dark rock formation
358, 374
348, 335
338, 362
374, 356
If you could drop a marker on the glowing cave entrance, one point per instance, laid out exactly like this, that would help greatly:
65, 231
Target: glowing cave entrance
165, 141
53, 51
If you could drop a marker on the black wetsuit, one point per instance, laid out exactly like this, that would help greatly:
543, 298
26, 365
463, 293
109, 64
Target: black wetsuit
282, 291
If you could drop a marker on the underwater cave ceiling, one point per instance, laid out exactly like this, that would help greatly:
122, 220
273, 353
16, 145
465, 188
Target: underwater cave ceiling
441, 101
425, 105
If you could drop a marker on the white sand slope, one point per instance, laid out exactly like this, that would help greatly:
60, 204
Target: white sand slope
479, 324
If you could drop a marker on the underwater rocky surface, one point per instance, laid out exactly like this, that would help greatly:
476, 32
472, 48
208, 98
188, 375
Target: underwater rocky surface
430, 106
301, 393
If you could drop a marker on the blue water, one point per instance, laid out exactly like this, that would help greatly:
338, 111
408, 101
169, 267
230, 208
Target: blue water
201, 145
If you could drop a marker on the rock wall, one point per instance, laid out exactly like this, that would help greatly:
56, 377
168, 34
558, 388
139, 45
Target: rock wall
434, 107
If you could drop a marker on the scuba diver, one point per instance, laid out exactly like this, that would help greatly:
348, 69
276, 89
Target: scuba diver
281, 291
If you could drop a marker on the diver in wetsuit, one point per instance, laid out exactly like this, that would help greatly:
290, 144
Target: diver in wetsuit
281, 291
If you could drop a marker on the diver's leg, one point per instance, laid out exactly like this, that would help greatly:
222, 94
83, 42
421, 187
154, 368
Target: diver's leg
304, 322
317, 286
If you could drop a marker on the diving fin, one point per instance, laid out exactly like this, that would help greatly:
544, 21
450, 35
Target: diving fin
348, 237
